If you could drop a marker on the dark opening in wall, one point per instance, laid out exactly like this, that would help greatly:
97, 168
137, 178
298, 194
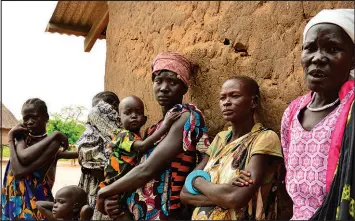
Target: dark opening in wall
226, 41
240, 48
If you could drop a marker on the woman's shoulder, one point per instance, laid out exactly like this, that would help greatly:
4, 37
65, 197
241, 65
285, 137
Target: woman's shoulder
187, 107
267, 142
294, 105
269, 134
222, 135
264, 134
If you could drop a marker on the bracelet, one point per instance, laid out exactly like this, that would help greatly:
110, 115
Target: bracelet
192, 176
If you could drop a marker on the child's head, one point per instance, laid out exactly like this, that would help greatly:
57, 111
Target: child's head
131, 111
35, 116
107, 96
68, 202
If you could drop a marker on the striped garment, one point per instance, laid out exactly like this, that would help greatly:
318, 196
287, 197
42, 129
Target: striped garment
160, 197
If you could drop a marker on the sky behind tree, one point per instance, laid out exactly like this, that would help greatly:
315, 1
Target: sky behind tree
52, 67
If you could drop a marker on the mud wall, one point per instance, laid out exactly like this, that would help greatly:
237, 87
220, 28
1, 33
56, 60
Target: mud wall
258, 39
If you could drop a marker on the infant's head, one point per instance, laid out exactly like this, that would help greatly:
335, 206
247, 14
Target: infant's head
131, 111
68, 202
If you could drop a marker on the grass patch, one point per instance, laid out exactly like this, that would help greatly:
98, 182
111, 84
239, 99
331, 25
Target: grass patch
5, 151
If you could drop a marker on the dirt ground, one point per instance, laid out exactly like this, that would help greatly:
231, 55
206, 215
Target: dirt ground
66, 175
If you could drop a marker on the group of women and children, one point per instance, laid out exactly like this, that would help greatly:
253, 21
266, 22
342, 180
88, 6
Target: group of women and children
173, 172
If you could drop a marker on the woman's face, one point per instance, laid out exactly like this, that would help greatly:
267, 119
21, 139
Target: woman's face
34, 119
327, 57
168, 89
235, 101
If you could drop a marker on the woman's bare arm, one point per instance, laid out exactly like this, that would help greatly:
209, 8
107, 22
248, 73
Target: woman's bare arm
67, 155
27, 155
234, 197
19, 170
141, 174
196, 200
45, 208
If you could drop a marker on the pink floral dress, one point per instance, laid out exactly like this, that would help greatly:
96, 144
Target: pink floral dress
306, 155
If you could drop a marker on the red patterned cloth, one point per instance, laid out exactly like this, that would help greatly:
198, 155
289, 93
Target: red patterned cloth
174, 62
159, 199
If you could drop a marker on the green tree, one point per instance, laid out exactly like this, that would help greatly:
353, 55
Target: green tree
67, 122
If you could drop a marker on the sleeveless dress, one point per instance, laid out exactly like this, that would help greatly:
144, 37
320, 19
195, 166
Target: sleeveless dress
19, 196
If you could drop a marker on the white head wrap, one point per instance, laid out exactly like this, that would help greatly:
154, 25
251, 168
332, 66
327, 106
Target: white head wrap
344, 18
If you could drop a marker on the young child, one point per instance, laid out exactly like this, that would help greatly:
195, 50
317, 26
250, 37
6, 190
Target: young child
127, 144
70, 203
30, 173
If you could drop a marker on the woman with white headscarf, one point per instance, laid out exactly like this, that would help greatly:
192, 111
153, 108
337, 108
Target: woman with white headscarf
317, 129
317, 152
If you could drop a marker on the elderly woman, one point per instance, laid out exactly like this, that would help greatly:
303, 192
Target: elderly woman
158, 179
313, 125
245, 145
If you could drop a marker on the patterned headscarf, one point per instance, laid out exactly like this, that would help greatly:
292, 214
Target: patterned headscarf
173, 61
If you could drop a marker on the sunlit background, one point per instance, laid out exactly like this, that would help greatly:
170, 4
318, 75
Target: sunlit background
49, 66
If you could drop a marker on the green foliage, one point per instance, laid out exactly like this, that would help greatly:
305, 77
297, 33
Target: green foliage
5, 151
71, 128
66, 123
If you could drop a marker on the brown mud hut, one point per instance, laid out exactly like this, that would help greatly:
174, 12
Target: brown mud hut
260, 39
8, 121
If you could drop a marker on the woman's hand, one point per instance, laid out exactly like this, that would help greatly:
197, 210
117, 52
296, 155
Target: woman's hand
243, 179
100, 202
16, 131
